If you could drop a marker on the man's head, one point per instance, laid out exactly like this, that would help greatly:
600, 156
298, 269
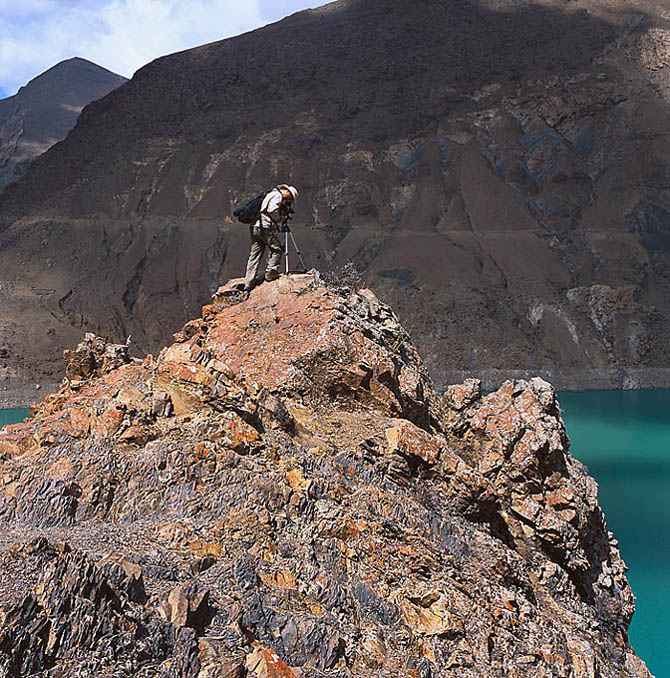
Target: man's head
289, 193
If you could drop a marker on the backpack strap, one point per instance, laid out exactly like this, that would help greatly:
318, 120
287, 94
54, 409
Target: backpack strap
264, 208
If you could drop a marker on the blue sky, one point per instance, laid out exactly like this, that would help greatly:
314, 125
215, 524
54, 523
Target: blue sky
121, 35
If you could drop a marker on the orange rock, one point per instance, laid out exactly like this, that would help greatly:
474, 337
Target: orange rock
264, 663
109, 422
80, 421
139, 435
563, 497
239, 435
296, 480
411, 441
431, 615
284, 579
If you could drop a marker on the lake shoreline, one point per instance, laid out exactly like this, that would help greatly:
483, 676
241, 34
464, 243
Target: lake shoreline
570, 379
15, 397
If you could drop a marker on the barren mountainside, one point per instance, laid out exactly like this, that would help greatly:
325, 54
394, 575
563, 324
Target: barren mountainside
281, 493
498, 170
45, 110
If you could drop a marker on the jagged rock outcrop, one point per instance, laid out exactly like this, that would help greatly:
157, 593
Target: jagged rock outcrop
498, 170
282, 493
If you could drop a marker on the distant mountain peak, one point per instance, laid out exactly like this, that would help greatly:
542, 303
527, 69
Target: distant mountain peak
44, 110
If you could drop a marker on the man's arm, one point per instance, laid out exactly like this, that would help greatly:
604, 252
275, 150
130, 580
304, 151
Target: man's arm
273, 207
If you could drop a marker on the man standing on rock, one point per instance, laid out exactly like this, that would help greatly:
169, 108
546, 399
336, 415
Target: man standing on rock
264, 234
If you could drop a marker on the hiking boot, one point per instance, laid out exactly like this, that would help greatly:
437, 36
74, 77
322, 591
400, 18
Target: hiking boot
271, 275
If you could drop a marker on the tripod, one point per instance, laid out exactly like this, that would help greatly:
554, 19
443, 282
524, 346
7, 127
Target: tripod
288, 234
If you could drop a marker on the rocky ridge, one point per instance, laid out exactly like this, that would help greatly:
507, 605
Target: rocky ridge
282, 493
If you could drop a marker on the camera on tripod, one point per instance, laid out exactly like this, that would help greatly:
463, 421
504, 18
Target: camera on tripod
287, 213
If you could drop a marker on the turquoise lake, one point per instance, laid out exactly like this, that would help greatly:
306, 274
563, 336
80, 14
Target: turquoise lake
12, 416
624, 439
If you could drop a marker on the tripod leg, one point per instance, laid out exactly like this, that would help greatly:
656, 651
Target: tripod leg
297, 251
286, 266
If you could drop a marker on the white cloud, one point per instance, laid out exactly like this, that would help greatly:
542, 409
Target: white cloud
121, 35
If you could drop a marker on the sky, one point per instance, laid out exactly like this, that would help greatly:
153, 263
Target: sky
120, 35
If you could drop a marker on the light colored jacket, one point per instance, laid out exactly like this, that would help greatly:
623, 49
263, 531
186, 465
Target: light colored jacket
270, 213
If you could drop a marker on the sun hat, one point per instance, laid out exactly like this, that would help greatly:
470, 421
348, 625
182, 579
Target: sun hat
291, 189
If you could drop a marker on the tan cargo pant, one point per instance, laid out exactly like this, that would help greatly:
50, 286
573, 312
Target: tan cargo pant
262, 239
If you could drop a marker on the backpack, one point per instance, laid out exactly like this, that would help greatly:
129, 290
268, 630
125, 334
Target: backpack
251, 210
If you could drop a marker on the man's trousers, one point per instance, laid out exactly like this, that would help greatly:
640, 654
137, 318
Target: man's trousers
262, 239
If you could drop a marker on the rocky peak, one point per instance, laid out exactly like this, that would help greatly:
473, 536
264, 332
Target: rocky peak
282, 492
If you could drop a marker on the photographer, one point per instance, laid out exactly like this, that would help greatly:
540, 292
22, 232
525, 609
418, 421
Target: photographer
277, 205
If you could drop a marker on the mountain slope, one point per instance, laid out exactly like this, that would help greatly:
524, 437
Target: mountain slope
45, 110
498, 170
282, 494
